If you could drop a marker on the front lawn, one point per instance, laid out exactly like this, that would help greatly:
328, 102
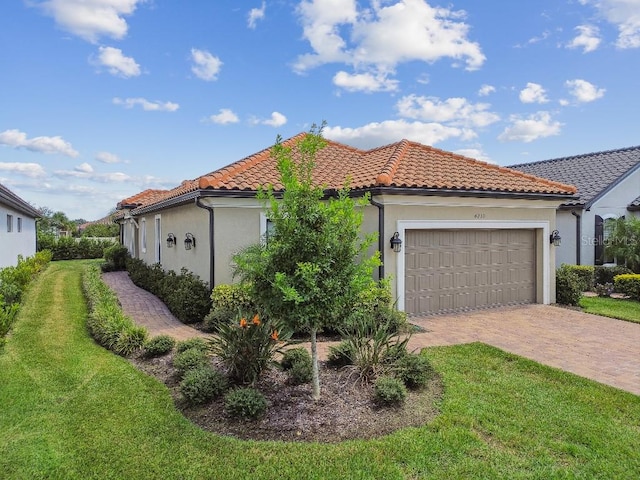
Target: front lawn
70, 409
612, 307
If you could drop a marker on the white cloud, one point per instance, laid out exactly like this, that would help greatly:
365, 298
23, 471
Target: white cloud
17, 139
206, 66
382, 36
389, 131
224, 117
533, 93
364, 82
455, 111
256, 14
84, 167
533, 127
106, 157
588, 38
277, 120
33, 170
115, 177
117, 64
147, 105
486, 90
584, 91
625, 15
91, 19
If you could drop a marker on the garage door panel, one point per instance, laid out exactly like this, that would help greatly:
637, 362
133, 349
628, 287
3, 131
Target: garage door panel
467, 269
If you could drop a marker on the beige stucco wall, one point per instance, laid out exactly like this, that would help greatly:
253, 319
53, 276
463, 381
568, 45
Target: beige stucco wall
407, 212
177, 220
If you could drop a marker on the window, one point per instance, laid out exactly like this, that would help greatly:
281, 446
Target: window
266, 228
9, 223
603, 228
19, 224
158, 240
143, 235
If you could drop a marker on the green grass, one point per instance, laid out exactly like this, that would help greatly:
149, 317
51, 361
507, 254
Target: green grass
612, 307
72, 410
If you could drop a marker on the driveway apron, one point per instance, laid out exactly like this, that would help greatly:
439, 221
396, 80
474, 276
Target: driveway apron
599, 348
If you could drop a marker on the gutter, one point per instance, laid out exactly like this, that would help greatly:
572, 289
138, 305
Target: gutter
212, 262
381, 235
578, 235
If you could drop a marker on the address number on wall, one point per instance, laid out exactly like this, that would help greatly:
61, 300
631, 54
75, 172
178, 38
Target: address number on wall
479, 216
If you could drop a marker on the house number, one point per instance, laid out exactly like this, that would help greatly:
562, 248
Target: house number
479, 216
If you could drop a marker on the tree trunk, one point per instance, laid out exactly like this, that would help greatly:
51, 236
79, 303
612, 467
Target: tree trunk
314, 361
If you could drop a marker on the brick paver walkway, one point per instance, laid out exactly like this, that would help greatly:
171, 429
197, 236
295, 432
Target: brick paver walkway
598, 348
146, 309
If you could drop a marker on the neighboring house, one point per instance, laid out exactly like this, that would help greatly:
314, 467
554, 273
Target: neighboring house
608, 188
473, 234
17, 228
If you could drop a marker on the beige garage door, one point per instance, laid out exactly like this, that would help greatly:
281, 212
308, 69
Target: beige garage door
451, 270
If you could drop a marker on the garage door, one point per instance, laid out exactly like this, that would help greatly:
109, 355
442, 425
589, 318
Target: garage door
452, 270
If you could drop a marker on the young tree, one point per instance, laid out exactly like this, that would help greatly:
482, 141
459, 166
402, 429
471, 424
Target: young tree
313, 264
623, 242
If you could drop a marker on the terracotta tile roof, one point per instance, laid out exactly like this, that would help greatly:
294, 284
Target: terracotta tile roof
404, 164
593, 173
143, 198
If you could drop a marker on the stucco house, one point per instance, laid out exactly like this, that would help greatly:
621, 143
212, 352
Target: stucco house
472, 234
608, 188
18, 228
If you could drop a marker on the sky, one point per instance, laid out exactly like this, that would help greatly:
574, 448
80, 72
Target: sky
102, 99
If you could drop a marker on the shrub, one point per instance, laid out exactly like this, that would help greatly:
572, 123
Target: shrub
69, 248
604, 275
245, 403
413, 370
202, 384
390, 391
247, 347
301, 372
226, 302
293, 356
158, 346
106, 323
186, 296
629, 284
604, 290
340, 355
375, 303
189, 359
297, 361
196, 342
115, 257
585, 274
370, 343
568, 286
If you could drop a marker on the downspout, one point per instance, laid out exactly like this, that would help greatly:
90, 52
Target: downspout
578, 235
212, 263
381, 235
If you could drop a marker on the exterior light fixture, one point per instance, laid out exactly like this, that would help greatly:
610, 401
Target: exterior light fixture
555, 238
171, 240
396, 242
189, 241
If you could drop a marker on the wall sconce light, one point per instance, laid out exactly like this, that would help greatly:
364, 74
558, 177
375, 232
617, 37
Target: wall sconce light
396, 242
189, 241
555, 238
171, 240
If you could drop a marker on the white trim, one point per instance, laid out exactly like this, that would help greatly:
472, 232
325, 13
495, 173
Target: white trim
403, 225
143, 235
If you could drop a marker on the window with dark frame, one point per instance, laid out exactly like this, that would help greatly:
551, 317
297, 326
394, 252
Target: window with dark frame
9, 223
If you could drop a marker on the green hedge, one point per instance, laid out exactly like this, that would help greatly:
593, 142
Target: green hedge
13, 283
186, 296
69, 248
585, 274
106, 322
629, 284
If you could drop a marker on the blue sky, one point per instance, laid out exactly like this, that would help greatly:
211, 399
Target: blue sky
101, 99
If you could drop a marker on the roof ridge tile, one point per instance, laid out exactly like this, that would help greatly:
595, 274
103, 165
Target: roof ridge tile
385, 177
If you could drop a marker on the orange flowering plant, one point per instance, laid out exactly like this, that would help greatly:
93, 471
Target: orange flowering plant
247, 348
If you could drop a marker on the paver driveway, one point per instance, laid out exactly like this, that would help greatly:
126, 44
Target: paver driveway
599, 348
